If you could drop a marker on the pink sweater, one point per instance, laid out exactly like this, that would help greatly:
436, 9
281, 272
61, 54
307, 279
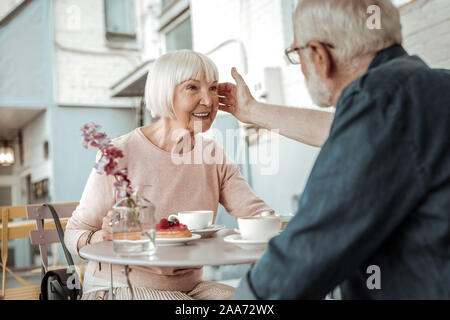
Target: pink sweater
174, 187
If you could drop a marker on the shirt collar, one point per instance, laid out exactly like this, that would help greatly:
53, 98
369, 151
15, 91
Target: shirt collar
381, 57
387, 54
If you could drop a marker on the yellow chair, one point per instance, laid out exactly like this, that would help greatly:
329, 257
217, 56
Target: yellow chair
26, 229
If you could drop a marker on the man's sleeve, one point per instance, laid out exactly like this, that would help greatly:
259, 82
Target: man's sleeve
363, 184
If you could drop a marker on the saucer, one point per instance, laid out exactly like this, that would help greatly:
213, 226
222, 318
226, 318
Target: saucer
205, 233
246, 244
239, 231
176, 241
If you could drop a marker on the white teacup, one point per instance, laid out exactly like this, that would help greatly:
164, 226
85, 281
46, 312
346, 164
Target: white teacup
285, 218
259, 228
195, 220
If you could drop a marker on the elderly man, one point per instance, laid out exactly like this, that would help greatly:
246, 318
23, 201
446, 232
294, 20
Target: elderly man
374, 218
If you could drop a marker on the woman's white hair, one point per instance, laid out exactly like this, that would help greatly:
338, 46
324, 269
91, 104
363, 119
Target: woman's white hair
343, 24
170, 70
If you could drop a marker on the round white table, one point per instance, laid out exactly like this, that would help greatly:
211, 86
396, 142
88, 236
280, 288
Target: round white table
213, 251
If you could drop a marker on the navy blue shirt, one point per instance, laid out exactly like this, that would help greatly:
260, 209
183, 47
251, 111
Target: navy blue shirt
378, 195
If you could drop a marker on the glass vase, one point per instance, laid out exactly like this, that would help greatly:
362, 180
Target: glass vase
133, 226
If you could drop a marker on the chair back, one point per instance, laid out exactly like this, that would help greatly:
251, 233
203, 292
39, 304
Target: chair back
42, 236
40, 228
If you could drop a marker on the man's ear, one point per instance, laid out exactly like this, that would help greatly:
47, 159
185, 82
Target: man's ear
322, 59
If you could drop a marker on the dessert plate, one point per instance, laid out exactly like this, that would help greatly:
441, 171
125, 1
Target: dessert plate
245, 244
204, 233
176, 241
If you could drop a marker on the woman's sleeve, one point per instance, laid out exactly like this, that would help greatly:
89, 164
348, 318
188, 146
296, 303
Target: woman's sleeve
235, 194
97, 199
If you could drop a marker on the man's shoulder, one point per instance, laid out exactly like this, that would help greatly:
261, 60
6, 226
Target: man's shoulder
403, 73
401, 78
389, 77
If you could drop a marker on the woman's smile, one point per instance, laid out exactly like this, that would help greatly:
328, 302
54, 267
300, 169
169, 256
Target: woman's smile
202, 115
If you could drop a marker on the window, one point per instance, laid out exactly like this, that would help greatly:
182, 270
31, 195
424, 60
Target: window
120, 18
175, 25
180, 36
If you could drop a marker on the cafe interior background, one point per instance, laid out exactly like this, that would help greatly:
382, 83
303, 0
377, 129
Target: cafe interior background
64, 63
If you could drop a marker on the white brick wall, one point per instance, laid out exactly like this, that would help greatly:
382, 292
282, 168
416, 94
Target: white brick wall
86, 67
426, 31
149, 24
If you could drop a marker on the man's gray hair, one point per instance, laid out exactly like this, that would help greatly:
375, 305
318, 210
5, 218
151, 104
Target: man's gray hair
343, 23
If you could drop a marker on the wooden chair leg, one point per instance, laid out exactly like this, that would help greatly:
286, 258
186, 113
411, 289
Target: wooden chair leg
18, 278
55, 254
5, 219
3, 275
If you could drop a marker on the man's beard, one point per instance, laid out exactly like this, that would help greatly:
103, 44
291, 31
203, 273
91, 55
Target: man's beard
320, 93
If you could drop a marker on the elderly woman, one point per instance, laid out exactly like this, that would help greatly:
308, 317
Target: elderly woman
182, 90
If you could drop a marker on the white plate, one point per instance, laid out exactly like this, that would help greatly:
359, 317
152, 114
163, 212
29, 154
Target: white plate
176, 241
245, 244
239, 231
204, 233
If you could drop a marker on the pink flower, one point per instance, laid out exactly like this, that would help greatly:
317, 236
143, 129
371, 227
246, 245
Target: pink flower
101, 164
108, 162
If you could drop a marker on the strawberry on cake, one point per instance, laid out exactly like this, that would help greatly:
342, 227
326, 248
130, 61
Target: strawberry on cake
172, 229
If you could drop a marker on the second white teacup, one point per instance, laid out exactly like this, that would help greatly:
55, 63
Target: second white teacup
259, 228
195, 220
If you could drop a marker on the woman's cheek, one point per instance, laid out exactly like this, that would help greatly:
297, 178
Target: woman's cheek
215, 109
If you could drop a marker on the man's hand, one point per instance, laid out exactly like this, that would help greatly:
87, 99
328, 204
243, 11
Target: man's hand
236, 99
305, 125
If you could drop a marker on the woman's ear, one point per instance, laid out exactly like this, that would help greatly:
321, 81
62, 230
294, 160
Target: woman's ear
321, 58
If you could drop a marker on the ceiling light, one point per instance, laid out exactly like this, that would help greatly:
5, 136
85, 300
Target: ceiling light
6, 156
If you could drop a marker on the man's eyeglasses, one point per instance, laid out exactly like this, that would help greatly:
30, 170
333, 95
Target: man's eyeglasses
294, 57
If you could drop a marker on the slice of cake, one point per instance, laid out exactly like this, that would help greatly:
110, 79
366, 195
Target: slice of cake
172, 229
